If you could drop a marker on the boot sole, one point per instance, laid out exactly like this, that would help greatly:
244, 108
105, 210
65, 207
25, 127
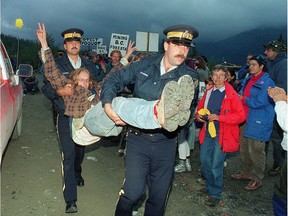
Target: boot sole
186, 95
168, 106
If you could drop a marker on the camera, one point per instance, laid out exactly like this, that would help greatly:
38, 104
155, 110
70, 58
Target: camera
204, 117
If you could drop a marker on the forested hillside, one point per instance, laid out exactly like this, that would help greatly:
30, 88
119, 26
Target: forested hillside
28, 49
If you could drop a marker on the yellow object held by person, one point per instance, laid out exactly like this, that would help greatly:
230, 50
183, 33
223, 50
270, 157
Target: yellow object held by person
211, 126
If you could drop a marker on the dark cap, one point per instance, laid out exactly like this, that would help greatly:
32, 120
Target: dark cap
259, 58
181, 34
276, 46
72, 34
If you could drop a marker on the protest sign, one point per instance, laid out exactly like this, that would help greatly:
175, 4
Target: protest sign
119, 42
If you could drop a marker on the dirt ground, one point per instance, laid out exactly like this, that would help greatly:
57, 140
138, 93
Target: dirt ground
31, 177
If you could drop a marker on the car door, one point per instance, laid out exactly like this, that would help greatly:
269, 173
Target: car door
11, 98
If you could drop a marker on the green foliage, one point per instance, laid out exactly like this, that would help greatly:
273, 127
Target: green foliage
212, 62
28, 49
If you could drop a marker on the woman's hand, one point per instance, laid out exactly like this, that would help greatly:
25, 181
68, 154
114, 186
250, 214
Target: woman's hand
41, 35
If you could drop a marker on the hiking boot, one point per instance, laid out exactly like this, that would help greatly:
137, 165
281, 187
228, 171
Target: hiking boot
253, 185
212, 202
188, 167
203, 191
186, 95
274, 171
71, 207
240, 176
179, 168
167, 107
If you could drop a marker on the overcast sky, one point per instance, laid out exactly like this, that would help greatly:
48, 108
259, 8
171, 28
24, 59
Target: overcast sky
215, 19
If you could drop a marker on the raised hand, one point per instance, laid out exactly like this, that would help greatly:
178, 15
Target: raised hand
41, 35
277, 94
130, 49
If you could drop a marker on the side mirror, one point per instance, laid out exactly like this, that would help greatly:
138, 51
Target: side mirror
25, 70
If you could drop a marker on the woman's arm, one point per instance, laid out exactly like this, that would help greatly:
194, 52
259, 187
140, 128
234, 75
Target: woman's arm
51, 72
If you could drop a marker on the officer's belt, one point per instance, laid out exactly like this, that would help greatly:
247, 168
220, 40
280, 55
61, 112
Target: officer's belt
138, 132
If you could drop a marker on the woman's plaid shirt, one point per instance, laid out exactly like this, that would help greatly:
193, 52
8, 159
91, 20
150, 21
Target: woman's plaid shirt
82, 98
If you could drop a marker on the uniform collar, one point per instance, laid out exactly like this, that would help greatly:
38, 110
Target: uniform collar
162, 68
221, 89
77, 64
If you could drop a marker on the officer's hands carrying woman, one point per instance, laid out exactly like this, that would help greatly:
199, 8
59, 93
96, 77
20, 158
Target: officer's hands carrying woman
113, 115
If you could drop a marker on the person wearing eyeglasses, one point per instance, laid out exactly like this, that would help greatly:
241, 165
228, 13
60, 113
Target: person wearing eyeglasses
259, 110
275, 51
221, 111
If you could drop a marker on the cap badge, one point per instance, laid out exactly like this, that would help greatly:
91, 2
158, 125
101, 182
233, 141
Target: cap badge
72, 35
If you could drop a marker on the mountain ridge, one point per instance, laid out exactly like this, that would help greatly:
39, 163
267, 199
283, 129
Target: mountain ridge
235, 49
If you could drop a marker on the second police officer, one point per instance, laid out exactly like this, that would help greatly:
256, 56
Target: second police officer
72, 154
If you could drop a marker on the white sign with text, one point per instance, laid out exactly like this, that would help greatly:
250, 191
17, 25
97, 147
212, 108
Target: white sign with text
119, 42
91, 41
101, 49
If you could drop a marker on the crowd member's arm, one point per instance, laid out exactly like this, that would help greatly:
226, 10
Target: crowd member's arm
261, 100
107, 102
281, 106
122, 63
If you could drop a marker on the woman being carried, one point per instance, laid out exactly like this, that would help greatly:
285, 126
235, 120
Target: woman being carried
88, 119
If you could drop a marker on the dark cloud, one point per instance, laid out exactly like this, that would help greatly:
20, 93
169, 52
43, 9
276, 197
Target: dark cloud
215, 19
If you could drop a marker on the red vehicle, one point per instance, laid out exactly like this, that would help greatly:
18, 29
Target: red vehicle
11, 98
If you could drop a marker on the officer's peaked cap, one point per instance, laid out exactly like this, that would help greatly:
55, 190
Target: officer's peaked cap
181, 34
72, 33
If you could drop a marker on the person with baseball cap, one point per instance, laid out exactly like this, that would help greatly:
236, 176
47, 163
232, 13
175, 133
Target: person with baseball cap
275, 51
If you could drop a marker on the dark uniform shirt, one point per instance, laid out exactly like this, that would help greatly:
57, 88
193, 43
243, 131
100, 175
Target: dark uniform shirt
147, 80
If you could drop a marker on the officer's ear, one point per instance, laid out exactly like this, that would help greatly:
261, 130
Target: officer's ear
166, 45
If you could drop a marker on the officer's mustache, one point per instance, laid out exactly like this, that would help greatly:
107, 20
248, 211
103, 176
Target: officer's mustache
180, 56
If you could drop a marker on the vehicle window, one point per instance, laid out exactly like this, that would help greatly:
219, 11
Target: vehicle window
7, 62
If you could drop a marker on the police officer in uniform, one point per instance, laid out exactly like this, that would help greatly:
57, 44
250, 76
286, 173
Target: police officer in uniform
150, 154
72, 154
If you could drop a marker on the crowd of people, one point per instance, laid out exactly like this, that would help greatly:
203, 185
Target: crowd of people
235, 112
